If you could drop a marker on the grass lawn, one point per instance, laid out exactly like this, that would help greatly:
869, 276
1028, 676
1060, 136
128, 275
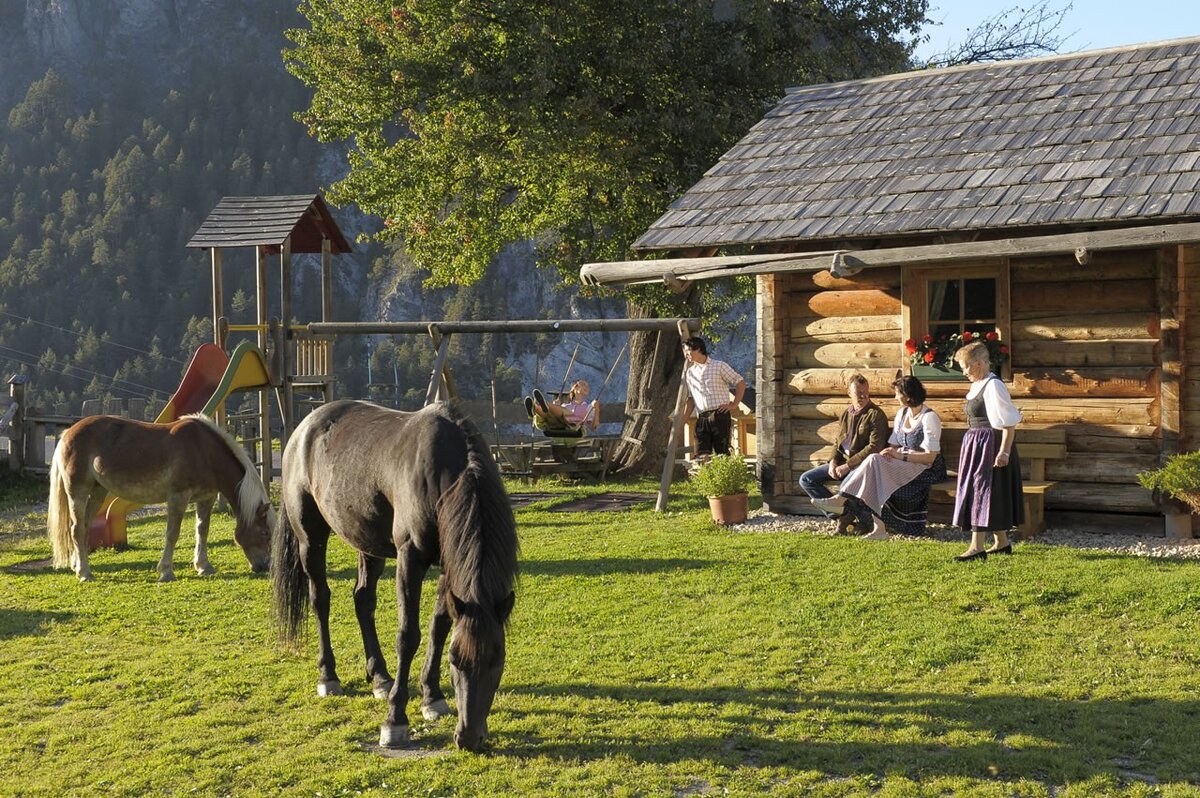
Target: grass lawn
648, 654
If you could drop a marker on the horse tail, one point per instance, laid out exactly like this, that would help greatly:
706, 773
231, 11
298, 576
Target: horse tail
58, 517
289, 582
478, 528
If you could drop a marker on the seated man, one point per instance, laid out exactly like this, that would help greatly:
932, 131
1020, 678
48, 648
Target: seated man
863, 430
571, 418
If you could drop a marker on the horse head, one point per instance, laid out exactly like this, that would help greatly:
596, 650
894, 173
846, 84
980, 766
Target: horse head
253, 533
476, 664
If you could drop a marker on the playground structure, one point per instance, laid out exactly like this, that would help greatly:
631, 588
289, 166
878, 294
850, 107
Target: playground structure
281, 358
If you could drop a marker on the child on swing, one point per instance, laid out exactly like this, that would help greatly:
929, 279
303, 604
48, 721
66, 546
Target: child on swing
573, 415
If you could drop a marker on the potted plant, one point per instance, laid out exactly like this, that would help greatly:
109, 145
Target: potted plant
725, 480
1179, 479
933, 357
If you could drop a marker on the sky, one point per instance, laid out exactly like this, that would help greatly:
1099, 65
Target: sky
1092, 24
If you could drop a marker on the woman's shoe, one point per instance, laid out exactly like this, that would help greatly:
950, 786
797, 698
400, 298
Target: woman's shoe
1002, 550
541, 401
831, 504
529, 405
877, 534
975, 555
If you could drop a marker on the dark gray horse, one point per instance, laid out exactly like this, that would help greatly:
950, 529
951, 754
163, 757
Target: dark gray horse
420, 487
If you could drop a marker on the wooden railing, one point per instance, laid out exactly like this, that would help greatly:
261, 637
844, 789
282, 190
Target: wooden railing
312, 355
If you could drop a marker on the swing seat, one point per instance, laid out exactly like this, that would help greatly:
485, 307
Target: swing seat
565, 432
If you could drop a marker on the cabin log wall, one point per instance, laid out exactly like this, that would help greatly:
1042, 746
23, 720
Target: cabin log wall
1091, 351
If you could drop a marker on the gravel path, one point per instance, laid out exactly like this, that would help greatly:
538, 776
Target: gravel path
1134, 545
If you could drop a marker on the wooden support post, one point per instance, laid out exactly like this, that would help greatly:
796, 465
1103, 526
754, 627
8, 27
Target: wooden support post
16, 431
771, 405
266, 454
288, 405
218, 297
435, 379
451, 390
326, 281
1179, 268
664, 488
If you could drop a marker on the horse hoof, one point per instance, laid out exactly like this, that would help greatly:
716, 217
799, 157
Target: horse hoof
207, 570
438, 709
87, 577
393, 736
325, 689
382, 690
167, 577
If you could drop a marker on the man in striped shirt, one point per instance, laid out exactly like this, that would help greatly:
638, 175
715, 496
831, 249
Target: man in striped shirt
709, 382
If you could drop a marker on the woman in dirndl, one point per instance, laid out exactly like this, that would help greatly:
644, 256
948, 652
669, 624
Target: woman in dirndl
989, 498
890, 490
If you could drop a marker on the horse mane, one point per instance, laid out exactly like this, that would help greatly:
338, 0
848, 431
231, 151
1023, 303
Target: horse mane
250, 494
479, 533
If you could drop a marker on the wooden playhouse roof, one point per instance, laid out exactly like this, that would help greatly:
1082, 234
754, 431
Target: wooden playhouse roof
1095, 138
268, 221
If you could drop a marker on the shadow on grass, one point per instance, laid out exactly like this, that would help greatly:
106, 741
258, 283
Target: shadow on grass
1006, 737
28, 623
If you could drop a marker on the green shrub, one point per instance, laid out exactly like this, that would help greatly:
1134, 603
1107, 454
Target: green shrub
1179, 478
723, 475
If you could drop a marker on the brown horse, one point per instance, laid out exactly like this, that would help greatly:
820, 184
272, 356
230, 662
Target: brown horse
420, 487
191, 459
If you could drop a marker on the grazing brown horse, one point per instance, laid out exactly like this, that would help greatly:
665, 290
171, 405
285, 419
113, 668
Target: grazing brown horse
191, 459
420, 487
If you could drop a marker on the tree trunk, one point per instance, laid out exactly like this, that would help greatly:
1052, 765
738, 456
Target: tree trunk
655, 368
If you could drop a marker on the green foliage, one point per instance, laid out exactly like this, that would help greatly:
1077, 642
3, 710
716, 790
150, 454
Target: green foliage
723, 475
98, 194
781, 664
572, 124
1179, 478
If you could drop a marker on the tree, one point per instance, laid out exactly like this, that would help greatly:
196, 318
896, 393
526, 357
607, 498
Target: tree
1018, 32
571, 123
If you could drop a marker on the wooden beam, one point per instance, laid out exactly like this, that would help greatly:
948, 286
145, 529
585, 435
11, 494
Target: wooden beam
510, 326
652, 271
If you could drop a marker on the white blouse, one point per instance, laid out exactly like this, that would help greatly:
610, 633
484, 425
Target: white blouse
930, 421
1001, 411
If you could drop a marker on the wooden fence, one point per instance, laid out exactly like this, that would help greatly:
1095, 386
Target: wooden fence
28, 434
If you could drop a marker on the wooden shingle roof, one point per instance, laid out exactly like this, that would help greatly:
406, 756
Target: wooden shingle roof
1103, 137
268, 221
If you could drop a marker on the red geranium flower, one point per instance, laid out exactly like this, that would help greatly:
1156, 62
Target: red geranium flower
966, 336
928, 339
929, 356
910, 346
992, 335
1003, 350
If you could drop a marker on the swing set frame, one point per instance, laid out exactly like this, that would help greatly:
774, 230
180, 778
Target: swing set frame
441, 381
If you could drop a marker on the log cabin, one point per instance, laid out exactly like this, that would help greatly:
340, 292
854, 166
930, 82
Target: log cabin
1053, 201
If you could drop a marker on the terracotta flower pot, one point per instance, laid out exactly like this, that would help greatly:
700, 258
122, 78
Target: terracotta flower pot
728, 510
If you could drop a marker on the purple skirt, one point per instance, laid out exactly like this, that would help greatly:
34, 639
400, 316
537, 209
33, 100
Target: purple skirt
987, 498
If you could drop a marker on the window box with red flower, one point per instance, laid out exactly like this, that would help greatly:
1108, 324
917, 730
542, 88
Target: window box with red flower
932, 357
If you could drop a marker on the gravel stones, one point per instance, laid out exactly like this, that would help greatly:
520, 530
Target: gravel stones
1133, 545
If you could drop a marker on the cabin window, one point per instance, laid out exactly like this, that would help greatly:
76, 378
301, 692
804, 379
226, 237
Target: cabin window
944, 306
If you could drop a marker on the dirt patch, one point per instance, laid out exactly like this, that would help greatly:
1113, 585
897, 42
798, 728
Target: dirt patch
523, 499
603, 503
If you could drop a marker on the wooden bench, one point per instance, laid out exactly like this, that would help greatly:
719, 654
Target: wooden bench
1035, 445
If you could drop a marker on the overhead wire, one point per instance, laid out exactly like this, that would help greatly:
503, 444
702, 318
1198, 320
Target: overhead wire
31, 320
35, 360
